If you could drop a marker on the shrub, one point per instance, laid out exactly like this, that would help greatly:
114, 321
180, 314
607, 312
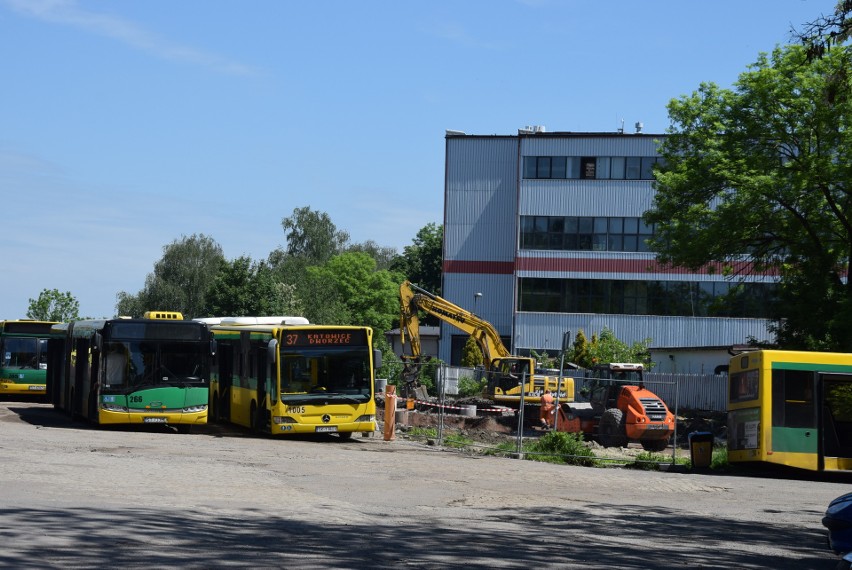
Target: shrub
561, 447
469, 386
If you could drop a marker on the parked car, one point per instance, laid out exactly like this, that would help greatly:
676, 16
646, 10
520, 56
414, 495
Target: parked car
838, 521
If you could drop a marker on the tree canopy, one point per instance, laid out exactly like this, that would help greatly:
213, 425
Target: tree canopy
422, 261
52, 305
364, 295
756, 182
312, 235
607, 348
245, 287
179, 281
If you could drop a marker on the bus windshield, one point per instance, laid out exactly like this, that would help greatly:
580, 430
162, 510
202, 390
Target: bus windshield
131, 364
21, 353
321, 372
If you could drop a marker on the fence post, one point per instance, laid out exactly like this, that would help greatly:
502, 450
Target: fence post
520, 444
441, 400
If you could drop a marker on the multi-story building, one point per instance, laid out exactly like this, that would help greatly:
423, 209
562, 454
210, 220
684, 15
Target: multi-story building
543, 234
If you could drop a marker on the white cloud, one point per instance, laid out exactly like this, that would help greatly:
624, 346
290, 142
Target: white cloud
68, 13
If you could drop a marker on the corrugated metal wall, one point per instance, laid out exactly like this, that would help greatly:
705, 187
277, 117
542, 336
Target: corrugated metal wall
481, 199
484, 196
481, 226
544, 330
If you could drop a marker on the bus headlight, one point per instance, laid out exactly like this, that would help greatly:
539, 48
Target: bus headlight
283, 420
366, 418
113, 408
194, 409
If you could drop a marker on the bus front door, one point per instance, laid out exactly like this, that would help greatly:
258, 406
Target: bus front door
836, 422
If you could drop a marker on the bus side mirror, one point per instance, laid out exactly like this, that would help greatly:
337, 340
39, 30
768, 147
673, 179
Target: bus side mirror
97, 341
377, 358
212, 347
272, 351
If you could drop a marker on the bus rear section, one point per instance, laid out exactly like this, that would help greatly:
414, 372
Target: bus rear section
305, 379
23, 349
791, 408
133, 371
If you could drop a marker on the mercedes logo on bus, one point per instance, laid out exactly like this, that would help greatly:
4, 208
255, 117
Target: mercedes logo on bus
326, 418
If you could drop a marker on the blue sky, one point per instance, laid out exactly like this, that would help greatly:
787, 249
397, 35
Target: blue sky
125, 125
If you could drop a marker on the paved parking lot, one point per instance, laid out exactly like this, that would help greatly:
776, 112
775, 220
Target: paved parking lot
74, 496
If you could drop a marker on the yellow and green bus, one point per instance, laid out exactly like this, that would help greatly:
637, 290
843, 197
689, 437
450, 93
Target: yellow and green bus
284, 376
132, 371
791, 408
23, 349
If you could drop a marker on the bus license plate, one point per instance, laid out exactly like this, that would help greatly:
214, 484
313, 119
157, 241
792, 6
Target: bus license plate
326, 429
154, 420
36, 388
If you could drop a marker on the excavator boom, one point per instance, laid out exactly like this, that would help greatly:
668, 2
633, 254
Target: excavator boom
505, 370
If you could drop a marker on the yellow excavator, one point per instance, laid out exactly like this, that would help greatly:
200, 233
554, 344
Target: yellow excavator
505, 372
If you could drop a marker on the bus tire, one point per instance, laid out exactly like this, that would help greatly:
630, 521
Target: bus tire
214, 407
611, 430
184, 428
259, 419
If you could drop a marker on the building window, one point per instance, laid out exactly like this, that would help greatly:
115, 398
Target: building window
571, 233
590, 167
636, 297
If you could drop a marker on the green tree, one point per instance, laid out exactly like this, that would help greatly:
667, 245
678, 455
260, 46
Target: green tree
471, 353
180, 279
313, 236
820, 35
384, 256
580, 351
51, 305
544, 360
422, 261
763, 169
608, 348
243, 287
370, 297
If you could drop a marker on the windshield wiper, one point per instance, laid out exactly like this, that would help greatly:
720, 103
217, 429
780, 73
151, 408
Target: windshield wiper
321, 396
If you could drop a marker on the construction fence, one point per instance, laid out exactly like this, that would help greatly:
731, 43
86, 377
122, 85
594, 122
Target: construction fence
706, 392
447, 409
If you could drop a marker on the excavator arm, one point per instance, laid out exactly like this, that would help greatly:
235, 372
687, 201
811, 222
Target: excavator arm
413, 298
504, 369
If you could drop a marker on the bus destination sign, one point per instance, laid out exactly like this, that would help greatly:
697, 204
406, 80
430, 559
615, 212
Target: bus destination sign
318, 338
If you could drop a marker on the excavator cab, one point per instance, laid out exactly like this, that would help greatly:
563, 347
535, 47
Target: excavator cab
507, 373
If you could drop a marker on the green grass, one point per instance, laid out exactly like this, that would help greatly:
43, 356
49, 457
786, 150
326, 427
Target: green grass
560, 447
422, 433
457, 441
719, 460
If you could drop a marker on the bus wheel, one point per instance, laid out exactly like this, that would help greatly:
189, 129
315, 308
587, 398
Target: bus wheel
214, 407
184, 428
259, 419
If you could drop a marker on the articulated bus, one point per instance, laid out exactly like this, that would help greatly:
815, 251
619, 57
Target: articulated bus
153, 370
282, 376
23, 349
791, 408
